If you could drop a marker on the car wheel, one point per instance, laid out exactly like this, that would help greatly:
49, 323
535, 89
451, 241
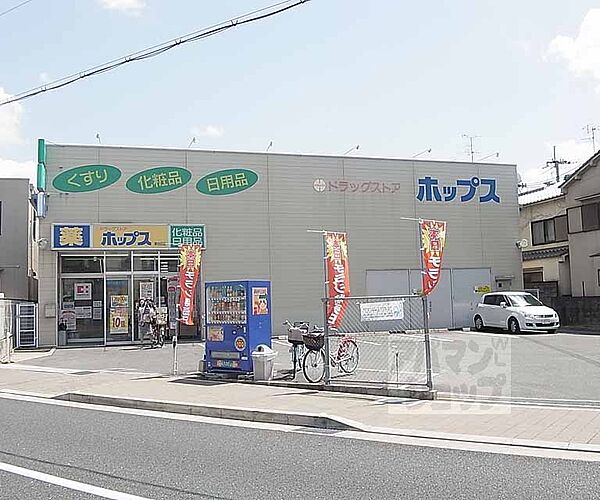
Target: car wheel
479, 326
513, 326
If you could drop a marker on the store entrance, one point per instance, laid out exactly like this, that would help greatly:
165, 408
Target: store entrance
118, 309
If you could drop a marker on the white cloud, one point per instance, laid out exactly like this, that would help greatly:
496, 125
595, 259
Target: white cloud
134, 7
18, 169
208, 131
10, 121
581, 53
44, 77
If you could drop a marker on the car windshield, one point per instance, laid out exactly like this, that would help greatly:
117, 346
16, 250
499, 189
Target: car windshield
524, 300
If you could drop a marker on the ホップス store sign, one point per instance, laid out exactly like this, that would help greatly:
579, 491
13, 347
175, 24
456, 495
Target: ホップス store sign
126, 236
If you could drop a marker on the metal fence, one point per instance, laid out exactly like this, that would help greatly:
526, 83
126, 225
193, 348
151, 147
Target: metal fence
390, 337
18, 326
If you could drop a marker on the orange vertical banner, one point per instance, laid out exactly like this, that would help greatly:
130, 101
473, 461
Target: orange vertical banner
433, 240
338, 276
189, 270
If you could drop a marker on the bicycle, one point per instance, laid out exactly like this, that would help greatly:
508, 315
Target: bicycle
345, 358
295, 332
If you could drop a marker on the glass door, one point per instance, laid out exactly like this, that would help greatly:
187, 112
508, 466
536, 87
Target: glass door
143, 287
80, 318
118, 309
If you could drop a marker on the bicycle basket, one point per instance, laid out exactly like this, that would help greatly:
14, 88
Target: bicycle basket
313, 342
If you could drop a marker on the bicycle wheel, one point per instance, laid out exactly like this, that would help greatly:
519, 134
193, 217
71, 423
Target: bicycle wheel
313, 366
348, 356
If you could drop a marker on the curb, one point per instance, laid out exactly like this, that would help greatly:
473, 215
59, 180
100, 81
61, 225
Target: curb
313, 420
321, 421
392, 392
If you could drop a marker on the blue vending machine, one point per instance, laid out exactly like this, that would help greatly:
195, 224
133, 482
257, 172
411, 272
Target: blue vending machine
238, 318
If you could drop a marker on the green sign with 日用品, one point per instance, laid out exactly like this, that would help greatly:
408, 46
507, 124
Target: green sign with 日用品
228, 181
187, 234
86, 178
158, 180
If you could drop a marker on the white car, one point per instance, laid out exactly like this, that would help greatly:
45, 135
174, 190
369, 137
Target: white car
514, 311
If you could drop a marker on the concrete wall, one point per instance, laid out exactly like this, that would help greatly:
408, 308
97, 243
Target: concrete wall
15, 250
577, 310
261, 232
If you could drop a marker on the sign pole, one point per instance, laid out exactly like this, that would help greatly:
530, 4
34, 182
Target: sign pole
425, 314
325, 304
325, 299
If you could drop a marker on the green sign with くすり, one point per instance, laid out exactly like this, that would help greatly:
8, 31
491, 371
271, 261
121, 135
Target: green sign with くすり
158, 180
230, 181
86, 178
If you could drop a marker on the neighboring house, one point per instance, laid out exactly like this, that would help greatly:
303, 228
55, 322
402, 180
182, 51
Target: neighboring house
543, 223
582, 198
18, 240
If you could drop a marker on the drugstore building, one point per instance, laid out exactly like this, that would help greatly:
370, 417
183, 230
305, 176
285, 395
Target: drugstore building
113, 218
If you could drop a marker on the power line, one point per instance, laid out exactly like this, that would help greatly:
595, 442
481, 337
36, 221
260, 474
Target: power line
14, 8
158, 49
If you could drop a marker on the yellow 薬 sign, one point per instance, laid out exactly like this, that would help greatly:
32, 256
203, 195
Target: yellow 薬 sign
130, 236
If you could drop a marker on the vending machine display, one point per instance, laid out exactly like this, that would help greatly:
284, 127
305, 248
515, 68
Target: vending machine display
238, 318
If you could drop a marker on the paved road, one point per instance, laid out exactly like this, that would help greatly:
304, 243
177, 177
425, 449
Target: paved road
541, 366
165, 459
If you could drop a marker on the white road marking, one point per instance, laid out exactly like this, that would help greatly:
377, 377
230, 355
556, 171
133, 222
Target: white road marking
412, 440
68, 483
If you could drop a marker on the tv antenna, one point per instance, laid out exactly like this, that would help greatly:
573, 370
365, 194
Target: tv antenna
193, 141
269, 146
471, 150
98, 137
590, 130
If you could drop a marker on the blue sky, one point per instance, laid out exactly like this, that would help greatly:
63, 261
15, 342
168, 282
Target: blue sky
395, 77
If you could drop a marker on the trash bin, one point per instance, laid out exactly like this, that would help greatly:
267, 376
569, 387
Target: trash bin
263, 361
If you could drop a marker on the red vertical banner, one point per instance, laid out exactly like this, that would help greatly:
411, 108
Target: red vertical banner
338, 276
433, 239
189, 271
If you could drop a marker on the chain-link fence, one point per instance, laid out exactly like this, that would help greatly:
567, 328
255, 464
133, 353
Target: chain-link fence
379, 340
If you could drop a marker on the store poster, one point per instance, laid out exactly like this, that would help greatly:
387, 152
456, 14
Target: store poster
189, 271
69, 318
118, 320
84, 312
119, 301
97, 314
83, 291
97, 303
147, 290
260, 301
68, 305
338, 276
215, 334
433, 240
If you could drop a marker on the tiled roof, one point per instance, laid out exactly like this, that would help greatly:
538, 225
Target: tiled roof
542, 194
545, 253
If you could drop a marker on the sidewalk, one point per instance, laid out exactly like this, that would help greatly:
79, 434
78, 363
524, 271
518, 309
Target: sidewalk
535, 426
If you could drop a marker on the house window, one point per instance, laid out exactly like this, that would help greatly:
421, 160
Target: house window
549, 230
589, 217
574, 218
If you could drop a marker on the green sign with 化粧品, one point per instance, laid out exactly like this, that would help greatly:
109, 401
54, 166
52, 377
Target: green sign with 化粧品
86, 178
158, 180
224, 182
187, 234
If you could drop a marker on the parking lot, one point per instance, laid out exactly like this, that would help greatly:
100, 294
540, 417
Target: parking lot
534, 366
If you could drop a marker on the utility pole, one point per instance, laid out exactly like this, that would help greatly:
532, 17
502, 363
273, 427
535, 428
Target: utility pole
556, 163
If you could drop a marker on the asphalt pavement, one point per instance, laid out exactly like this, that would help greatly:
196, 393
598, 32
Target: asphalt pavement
162, 458
497, 364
